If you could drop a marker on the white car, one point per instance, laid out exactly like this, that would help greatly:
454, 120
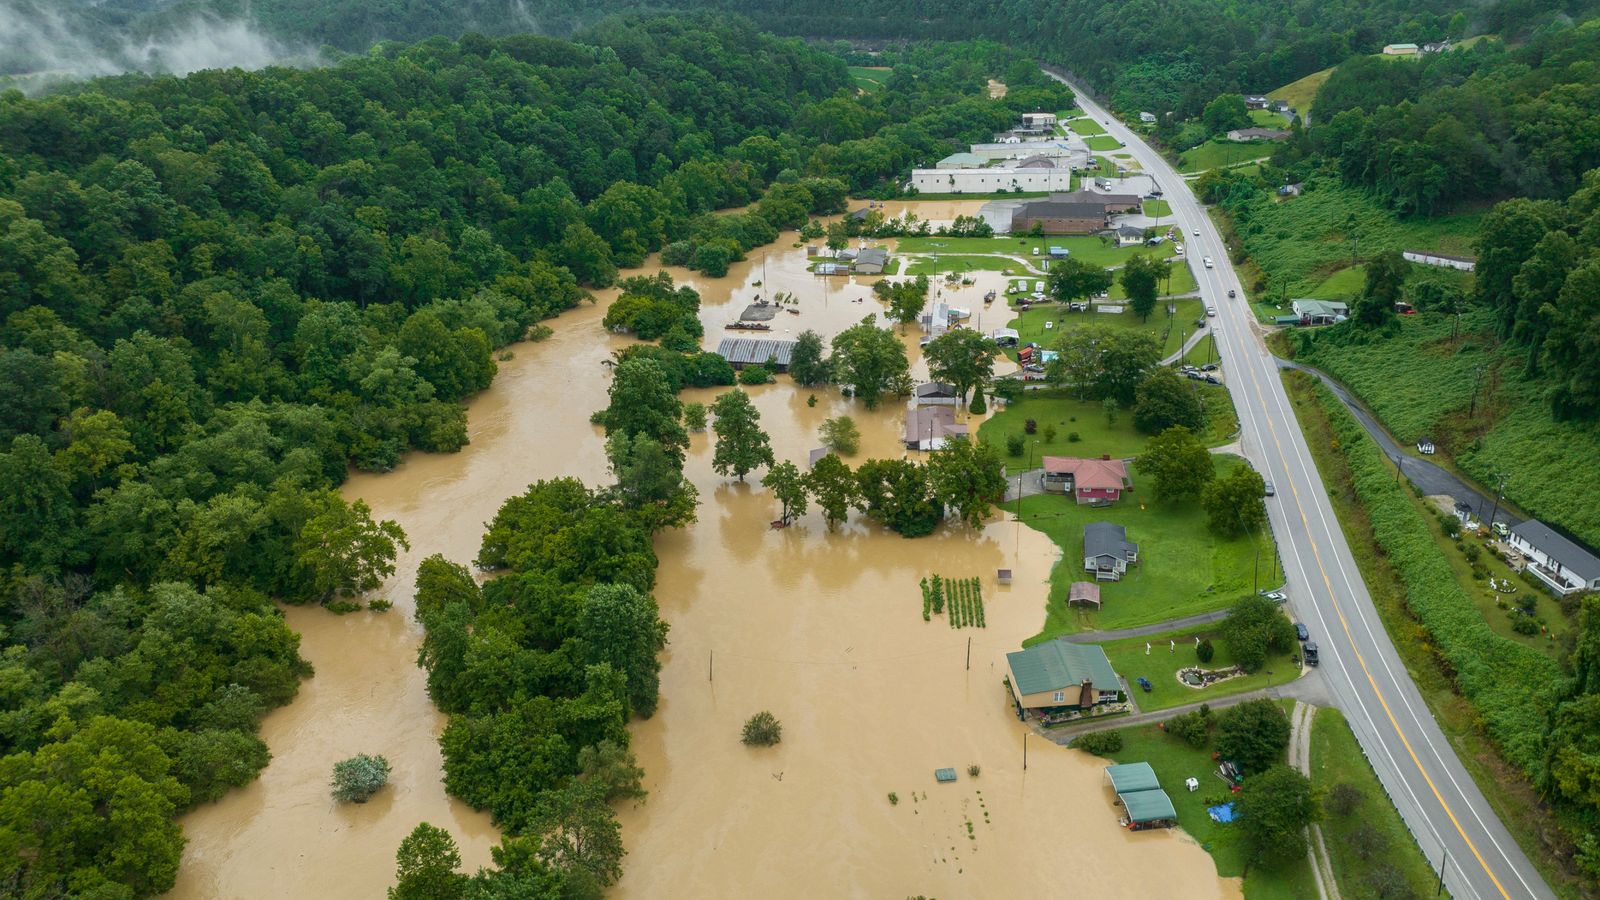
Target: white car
1211, 311
1197, 232
1209, 264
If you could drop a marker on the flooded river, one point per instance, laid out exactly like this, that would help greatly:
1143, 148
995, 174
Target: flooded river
824, 630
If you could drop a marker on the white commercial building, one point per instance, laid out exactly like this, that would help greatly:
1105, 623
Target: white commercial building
990, 181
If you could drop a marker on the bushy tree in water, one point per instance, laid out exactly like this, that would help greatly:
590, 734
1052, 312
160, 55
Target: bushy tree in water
762, 730
359, 777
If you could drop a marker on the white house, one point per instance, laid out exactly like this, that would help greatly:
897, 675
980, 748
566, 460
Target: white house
1426, 258
1148, 118
1562, 564
991, 180
1038, 120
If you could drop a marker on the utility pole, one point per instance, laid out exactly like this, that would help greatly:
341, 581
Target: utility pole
1472, 409
711, 663
969, 654
1500, 494
1025, 755
1442, 863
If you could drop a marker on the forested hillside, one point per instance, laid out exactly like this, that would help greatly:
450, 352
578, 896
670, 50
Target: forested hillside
220, 292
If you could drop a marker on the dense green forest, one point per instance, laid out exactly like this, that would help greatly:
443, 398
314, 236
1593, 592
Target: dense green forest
220, 292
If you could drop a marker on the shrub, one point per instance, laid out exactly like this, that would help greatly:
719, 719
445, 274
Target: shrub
756, 374
1030, 426
894, 799
1204, 651
762, 730
1191, 728
1100, 743
1343, 799
1014, 444
359, 777
1073, 437
694, 416
1049, 434
973, 770
379, 605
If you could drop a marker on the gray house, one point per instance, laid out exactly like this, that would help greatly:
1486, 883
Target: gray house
1107, 552
1565, 565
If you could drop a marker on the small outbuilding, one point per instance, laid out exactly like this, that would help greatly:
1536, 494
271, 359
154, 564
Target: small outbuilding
929, 427
1084, 593
871, 261
1425, 446
934, 393
1128, 778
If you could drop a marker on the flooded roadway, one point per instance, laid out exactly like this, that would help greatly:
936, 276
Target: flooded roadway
824, 630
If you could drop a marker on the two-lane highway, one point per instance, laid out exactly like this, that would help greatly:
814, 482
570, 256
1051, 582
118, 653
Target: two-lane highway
1454, 824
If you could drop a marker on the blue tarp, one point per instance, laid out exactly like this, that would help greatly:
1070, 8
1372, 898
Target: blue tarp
1222, 814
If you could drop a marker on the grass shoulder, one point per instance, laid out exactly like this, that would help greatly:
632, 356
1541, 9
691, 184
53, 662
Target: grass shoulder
1368, 843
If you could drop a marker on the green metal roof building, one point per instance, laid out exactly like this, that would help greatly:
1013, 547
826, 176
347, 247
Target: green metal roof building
1130, 777
962, 161
1148, 807
1058, 673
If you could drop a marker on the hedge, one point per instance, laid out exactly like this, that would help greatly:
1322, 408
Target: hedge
1509, 685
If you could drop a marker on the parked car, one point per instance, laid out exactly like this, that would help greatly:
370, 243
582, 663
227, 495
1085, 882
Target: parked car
1271, 491
1200, 322
1210, 367
1311, 653
1208, 263
1194, 376
1145, 684
1277, 596
1232, 293
1301, 632
1212, 379
1211, 312
1197, 232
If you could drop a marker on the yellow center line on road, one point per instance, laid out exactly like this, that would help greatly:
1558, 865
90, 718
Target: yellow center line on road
1350, 637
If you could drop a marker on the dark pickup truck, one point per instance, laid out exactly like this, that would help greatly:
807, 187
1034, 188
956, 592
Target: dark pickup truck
1311, 653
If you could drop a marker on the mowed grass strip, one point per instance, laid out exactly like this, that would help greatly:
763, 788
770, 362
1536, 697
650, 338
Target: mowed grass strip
1372, 836
1086, 126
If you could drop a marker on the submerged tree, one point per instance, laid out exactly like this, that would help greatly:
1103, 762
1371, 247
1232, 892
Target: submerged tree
741, 444
359, 777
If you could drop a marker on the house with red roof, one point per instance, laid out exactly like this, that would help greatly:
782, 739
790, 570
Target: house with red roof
1097, 481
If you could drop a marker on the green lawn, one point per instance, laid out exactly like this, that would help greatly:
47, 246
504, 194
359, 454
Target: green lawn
1174, 650
930, 265
1090, 249
1157, 208
1203, 352
1215, 154
1183, 568
1031, 325
1174, 761
1102, 142
1266, 118
1086, 126
1180, 282
1375, 827
868, 79
1055, 409
1344, 284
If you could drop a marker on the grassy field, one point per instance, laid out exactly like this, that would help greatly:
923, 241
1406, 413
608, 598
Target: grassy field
1373, 837
1157, 208
1266, 118
1173, 761
1090, 249
1299, 243
1041, 324
1086, 126
1174, 650
1102, 142
1215, 154
1181, 282
1418, 382
1058, 408
1301, 94
1203, 352
1508, 790
932, 265
870, 79
1183, 568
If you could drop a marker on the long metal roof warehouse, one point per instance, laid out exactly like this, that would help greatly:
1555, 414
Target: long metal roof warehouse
741, 352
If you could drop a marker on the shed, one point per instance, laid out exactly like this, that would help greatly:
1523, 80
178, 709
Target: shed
1131, 777
1146, 808
1084, 593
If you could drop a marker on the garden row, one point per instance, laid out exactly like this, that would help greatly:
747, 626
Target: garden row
963, 596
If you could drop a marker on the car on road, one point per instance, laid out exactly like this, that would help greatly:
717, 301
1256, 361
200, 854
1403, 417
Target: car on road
1209, 264
1271, 491
1311, 653
1200, 322
1197, 232
1232, 293
1301, 632
1211, 312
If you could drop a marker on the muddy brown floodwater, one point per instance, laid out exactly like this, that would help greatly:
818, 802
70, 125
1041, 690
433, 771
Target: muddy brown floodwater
823, 629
